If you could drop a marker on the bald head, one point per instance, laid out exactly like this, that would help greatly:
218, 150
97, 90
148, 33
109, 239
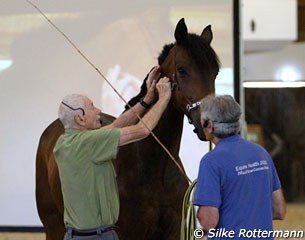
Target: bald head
71, 105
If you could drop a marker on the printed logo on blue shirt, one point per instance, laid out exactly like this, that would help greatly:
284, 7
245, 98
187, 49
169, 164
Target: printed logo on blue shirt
252, 167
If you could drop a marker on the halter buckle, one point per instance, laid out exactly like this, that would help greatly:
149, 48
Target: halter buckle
191, 106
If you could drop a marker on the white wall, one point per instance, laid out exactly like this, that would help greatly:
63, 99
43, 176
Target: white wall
122, 38
284, 64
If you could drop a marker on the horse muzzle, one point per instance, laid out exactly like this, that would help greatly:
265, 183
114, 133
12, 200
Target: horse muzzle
193, 115
200, 134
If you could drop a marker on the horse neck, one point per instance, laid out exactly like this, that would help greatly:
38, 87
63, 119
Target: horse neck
169, 129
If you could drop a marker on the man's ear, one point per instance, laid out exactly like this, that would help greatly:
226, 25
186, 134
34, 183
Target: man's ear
79, 119
211, 127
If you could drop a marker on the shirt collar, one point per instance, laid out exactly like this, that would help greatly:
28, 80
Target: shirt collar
72, 130
232, 138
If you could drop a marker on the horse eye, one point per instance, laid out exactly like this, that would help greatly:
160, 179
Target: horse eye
181, 71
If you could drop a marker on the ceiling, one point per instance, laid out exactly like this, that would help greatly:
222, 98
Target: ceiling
11, 11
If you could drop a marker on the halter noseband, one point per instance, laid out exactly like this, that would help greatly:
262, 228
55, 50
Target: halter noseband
191, 106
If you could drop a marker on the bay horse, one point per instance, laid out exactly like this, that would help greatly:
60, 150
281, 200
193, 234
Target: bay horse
151, 188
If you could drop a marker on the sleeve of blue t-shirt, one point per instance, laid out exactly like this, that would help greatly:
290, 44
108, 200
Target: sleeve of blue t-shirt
208, 184
276, 180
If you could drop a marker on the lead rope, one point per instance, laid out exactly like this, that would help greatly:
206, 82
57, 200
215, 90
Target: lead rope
188, 222
100, 73
189, 219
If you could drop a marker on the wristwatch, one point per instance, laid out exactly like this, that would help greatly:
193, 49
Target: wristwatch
144, 104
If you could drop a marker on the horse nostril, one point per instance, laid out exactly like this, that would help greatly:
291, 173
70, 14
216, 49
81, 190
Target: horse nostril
195, 130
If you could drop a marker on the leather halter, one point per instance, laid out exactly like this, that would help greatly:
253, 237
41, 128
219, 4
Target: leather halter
175, 85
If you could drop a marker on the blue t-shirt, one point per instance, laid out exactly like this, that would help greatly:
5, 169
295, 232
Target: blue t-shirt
238, 177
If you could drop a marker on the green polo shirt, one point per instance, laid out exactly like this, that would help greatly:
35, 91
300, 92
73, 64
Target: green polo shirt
88, 178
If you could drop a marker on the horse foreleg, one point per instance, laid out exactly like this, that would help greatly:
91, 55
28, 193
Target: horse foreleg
169, 225
138, 220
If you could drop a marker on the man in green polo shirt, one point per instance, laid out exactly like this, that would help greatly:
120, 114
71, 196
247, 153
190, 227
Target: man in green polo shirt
84, 155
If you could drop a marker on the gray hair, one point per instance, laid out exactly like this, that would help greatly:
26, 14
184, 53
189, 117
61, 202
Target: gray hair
224, 112
65, 114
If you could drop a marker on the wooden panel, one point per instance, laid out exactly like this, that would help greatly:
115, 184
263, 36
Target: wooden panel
281, 113
301, 21
255, 134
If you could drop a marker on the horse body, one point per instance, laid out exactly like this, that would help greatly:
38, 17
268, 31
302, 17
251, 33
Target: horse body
49, 199
151, 188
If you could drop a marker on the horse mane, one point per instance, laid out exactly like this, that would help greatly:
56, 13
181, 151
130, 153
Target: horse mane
198, 49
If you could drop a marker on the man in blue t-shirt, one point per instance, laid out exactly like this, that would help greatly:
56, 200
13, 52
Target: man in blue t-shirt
238, 190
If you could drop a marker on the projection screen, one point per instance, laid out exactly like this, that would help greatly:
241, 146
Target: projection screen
38, 67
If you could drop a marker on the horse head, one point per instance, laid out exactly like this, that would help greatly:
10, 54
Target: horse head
192, 65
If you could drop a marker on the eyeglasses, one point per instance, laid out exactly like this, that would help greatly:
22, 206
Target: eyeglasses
74, 109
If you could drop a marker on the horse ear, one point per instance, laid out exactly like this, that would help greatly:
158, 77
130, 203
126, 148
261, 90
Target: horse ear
207, 34
181, 31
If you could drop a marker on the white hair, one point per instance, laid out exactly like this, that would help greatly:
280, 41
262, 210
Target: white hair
224, 112
65, 114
